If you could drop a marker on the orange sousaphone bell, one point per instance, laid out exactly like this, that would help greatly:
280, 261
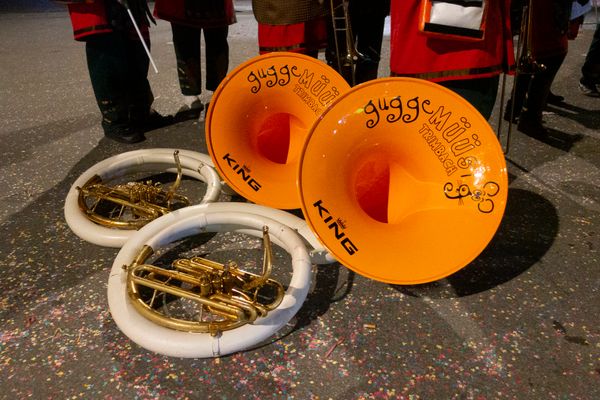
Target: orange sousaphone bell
258, 121
401, 179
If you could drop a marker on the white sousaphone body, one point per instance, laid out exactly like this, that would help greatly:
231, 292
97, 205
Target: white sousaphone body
194, 165
399, 179
186, 222
256, 126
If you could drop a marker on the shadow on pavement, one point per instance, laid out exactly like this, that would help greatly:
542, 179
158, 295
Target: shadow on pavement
527, 231
586, 117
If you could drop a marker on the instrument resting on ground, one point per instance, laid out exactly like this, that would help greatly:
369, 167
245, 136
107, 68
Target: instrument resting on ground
400, 179
133, 201
403, 181
258, 121
124, 301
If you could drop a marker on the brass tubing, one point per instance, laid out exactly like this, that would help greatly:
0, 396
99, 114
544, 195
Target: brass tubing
223, 290
224, 310
267, 263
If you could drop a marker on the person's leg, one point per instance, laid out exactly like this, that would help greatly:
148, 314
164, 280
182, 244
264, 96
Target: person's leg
480, 92
530, 121
315, 35
186, 41
140, 97
367, 22
106, 58
217, 56
514, 105
590, 70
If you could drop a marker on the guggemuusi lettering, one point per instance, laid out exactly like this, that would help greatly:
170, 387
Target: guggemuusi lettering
395, 109
281, 75
318, 88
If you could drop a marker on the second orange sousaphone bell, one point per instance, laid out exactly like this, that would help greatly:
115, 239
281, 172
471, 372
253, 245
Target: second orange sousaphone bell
259, 119
401, 179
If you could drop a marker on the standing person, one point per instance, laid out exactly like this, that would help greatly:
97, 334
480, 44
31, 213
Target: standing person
364, 21
590, 71
467, 60
578, 11
118, 65
529, 65
307, 27
547, 36
367, 18
299, 26
189, 20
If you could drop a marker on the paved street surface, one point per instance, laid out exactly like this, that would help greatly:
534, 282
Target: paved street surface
522, 321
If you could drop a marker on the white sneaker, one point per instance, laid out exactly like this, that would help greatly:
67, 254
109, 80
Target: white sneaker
589, 90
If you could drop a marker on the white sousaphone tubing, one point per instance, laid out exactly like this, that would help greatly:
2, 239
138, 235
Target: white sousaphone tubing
184, 223
195, 165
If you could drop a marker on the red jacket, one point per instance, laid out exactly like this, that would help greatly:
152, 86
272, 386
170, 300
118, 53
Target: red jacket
91, 17
88, 19
437, 58
199, 14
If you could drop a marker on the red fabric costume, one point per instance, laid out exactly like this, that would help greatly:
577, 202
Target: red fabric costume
88, 19
303, 37
299, 26
436, 58
92, 18
198, 14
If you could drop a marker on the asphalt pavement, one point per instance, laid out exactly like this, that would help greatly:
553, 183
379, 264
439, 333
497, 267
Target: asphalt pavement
519, 322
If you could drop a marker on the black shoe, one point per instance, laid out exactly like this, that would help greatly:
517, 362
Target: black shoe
555, 99
154, 121
532, 127
128, 136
